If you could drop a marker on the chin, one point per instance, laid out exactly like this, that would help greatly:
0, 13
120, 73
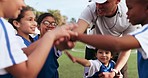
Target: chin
134, 23
15, 16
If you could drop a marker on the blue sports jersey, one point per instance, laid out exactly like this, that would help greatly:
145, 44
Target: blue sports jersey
26, 42
142, 66
50, 67
6, 76
103, 68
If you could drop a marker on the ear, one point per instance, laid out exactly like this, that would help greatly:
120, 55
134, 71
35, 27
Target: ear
16, 24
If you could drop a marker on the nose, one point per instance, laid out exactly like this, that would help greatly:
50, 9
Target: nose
35, 23
104, 54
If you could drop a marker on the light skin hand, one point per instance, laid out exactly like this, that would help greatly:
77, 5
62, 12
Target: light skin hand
110, 75
82, 61
69, 44
107, 75
64, 31
66, 43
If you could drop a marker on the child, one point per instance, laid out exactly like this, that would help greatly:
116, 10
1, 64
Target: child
13, 60
47, 22
137, 14
25, 24
103, 63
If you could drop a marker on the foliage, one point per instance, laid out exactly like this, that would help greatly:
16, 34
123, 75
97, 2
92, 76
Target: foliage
73, 20
61, 19
57, 15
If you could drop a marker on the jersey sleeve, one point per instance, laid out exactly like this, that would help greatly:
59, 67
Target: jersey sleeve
88, 13
21, 42
131, 28
95, 67
141, 36
10, 49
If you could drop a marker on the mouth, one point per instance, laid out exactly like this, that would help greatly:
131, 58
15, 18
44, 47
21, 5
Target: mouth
50, 28
33, 28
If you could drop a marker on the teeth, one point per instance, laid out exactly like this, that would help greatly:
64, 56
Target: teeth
33, 28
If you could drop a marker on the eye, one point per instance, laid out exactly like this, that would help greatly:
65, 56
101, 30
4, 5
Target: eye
46, 23
53, 24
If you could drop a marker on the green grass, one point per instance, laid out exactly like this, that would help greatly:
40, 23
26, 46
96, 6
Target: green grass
67, 69
132, 66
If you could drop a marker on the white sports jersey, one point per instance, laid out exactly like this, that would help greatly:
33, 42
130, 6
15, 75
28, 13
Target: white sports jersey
142, 59
10, 49
97, 67
142, 36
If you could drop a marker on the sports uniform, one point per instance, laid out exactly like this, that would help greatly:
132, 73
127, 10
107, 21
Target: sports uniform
10, 49
49, 70
141, 36
97, 67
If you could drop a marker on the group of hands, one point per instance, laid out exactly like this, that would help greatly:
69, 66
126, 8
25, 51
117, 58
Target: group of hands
65, 38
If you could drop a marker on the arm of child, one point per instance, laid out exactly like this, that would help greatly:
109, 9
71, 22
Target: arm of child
81, 61
36, 59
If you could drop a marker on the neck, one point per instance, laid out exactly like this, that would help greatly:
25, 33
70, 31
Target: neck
26, 36
113, 13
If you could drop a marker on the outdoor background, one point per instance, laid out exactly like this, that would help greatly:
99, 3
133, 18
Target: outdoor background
67, 69
69, 11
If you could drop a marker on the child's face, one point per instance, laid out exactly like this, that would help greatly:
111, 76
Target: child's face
12, 8
104, 56
137, 12
28, 24
48, 23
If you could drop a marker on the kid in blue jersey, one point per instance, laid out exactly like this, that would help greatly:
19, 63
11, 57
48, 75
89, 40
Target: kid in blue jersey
103, 63
47, 22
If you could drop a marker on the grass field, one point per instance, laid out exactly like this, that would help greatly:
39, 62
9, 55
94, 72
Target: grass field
67, 69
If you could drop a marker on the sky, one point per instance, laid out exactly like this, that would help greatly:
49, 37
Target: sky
69, 8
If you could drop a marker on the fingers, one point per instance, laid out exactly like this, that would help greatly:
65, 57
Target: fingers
71, 26
70, 56
65, 31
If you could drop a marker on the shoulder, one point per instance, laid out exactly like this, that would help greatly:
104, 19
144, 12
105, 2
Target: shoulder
92, 7
95, 62
122, 8
36, 37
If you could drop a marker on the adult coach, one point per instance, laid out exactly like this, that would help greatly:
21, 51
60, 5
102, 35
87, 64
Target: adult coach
107, 17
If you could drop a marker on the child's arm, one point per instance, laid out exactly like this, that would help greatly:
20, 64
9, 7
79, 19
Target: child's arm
81, 61
115, 44
38, 54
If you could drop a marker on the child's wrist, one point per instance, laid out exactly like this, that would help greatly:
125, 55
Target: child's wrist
115, 71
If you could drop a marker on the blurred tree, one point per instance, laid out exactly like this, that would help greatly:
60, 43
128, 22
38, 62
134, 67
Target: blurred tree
64, 19
61, 19
73, 20
57, 15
